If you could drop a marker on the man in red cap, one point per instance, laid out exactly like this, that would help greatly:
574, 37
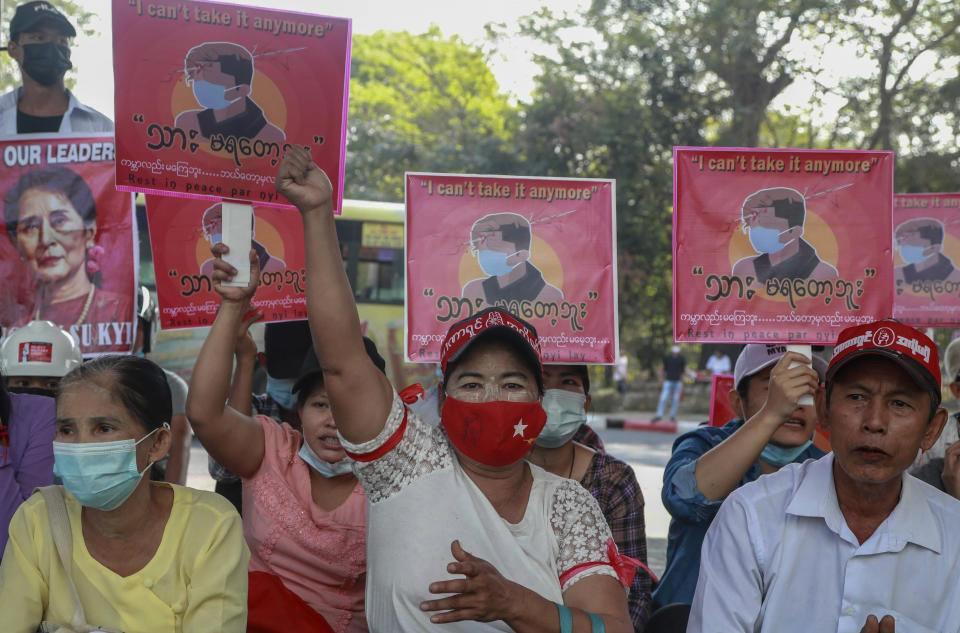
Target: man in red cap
840, 543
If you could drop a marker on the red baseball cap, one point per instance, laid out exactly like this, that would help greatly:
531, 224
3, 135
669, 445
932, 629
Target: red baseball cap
910, 348
463, 334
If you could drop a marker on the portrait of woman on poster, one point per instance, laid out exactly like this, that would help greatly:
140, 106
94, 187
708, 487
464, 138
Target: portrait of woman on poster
51, 219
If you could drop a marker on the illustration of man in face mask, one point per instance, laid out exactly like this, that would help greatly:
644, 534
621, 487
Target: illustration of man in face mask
221, 76
773, 218
40, 44
501, 243
920, 245
213, 231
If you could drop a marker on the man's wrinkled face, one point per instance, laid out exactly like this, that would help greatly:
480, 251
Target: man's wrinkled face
878, 418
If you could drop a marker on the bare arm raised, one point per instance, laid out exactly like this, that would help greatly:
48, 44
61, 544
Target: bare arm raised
360, 395
233, 439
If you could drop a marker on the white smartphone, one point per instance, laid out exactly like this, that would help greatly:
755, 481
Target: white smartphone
237, 222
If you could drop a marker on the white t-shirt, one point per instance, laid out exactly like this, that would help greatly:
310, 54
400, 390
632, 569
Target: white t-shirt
620, 369
780, 558
420, 501
719, 365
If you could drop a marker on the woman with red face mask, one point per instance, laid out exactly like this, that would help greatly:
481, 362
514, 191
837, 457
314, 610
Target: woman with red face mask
461, 530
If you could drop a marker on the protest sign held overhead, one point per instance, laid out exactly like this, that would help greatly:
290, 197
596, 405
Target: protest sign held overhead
209, 96
181, 234
540, 248
780, 245
926, 236
69, 252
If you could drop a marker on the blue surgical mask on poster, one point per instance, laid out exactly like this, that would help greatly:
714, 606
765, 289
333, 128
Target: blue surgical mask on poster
325, 468
280, 390
211, 95
215, 238
780, 456
100, 475
766, 240
494, 263
565, 414
912, 254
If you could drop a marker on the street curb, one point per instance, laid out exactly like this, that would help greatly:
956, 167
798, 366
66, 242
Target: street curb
630, 424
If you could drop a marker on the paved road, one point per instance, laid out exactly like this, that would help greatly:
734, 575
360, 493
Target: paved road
646, 452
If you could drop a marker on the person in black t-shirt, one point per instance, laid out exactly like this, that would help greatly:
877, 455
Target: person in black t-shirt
40, 44
674, 366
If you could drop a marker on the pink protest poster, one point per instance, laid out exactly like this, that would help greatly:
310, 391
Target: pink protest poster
210, 95
780, 245
181, 234
542, 248
926, 236
69, 254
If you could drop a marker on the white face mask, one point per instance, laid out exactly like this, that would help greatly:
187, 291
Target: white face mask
325, 468
565, 415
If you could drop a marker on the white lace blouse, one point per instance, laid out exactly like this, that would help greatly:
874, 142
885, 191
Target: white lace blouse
420, 500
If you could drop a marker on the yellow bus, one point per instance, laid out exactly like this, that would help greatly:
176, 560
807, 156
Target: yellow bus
371, 243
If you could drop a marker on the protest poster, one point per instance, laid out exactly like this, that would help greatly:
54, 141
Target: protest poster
69, 252
780, 245
208, 96
926, 236
181, 234
541, 248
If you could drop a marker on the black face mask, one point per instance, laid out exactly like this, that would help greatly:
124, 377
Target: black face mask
46, 63
34, 391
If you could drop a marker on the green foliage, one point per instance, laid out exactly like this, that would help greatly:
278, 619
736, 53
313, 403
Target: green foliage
614, 108
79, 16
423, 103
905, 103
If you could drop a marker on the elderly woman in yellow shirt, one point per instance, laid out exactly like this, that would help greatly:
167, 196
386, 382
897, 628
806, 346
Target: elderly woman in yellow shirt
147, 557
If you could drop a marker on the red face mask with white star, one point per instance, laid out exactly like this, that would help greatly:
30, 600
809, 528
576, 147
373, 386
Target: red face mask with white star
493, 433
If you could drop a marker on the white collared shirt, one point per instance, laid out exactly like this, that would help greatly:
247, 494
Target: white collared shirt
779, 557
77, 118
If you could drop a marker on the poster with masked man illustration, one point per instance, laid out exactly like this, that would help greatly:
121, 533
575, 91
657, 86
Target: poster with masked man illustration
926, 259
780, 245
208, 96
540, 248
181, 234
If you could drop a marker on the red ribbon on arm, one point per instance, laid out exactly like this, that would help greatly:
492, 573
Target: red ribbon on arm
412, 393
4, 443
625, 566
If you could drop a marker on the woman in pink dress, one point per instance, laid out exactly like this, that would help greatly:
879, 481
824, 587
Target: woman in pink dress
304, 512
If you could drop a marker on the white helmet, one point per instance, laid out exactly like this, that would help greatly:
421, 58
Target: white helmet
39, 348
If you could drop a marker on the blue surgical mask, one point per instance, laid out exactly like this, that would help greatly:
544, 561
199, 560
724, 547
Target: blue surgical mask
766, 240
325, 468
780, 456
215, 238
100, 475
211, 95
281, 392
912, 254
565, 414
494, 263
